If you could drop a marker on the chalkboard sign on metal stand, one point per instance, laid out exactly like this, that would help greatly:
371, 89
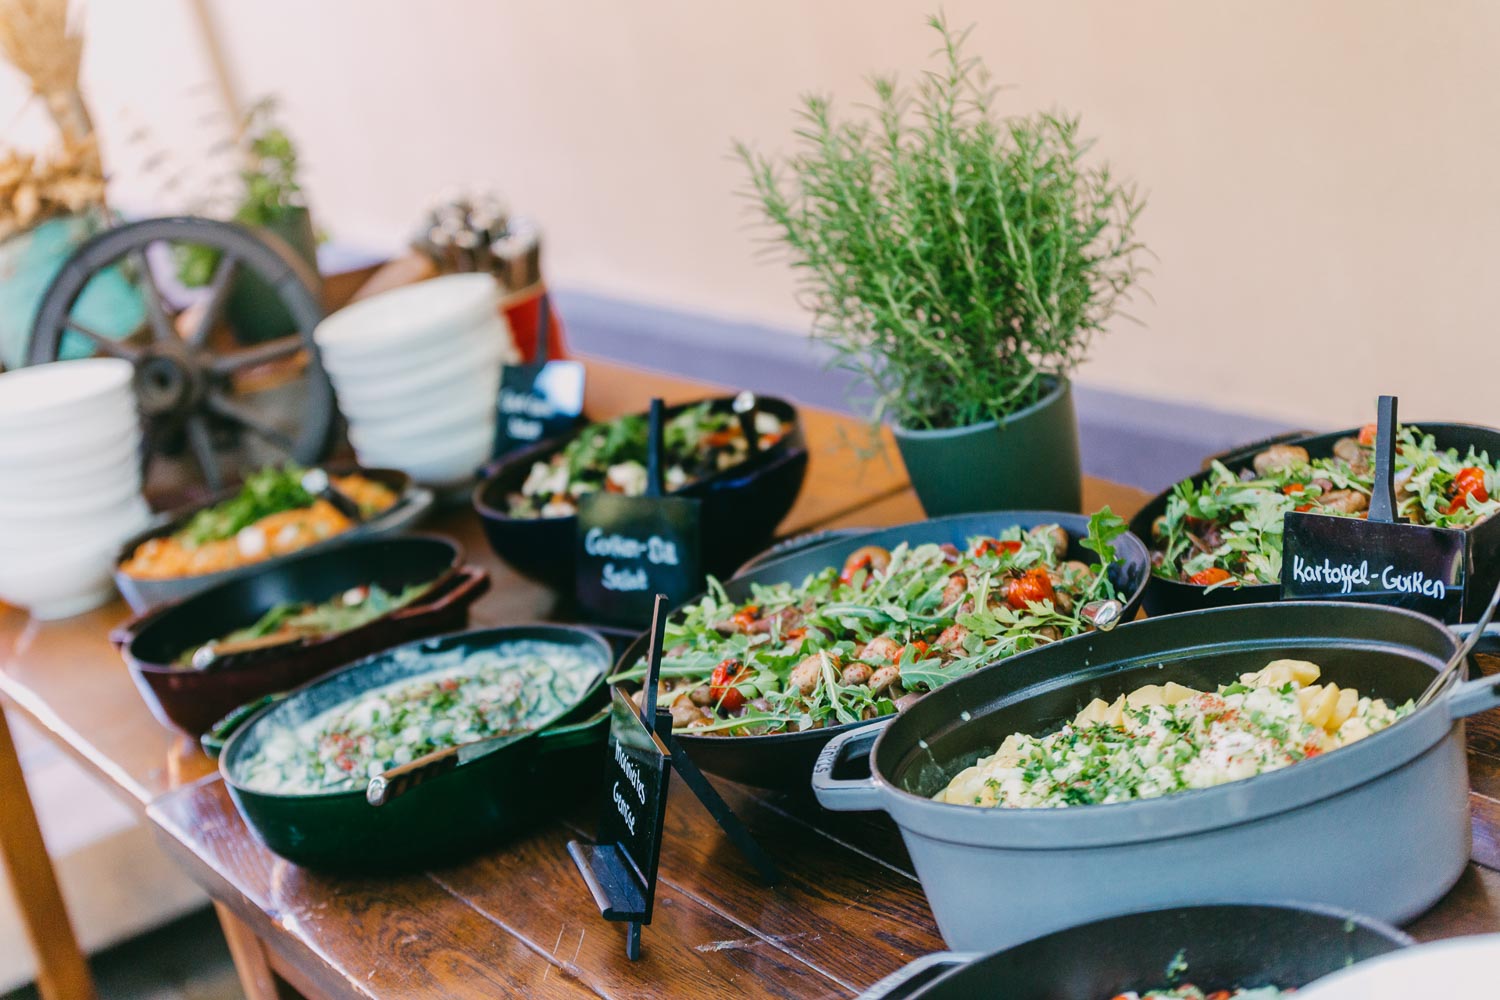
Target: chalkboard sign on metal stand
630, 547
539, 399
620, 870
1380, 559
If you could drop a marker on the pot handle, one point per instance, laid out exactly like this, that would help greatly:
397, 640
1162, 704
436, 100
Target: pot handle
466, 585
1472, 697
842, 794
914, 975
1240, 452
574, 734
218, 734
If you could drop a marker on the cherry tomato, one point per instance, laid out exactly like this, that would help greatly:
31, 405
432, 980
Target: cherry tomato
992, 545
1367, 434
745, 617
918, 645
1468, 483
721, 685
1032, 586
1211, 576
1292, 489
721, 439
1303, 508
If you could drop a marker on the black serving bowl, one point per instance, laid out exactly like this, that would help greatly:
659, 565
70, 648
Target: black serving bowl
784, 761
142, 595
1166, 597
742, 505
1213, 947
193, 700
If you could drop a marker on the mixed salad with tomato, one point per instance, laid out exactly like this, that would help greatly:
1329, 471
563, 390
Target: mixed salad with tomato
697, 442
1190, 992
862, 640
1226, 530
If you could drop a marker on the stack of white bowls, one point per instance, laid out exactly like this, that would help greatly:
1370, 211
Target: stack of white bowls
70, 483
416, 371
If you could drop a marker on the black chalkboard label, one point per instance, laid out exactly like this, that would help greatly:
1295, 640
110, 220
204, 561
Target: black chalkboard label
635, 797
536, 402
1395, 563
632, 548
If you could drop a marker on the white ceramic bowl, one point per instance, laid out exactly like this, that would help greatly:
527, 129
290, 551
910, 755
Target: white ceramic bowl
22, 514
34, 396
471, 390
470, 400
438, 460
65, 579
43, 456
108, 530
483, 337
432, 376
97, 473
429, 309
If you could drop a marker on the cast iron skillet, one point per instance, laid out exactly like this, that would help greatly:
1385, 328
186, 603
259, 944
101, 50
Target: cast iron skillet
193, 700
742, 505
448, 816
1223, 947
1380, 826
412, 502
785, 760
1166, 597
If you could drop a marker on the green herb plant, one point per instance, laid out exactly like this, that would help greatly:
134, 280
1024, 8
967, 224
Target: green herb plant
270, 188
960, 261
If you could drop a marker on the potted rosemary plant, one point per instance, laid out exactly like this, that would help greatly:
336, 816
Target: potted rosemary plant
960, 261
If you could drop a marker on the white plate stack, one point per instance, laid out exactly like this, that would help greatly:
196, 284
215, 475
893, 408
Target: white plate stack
70, 483
416, 371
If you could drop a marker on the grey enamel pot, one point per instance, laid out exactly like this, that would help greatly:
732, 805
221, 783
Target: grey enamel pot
1378, 827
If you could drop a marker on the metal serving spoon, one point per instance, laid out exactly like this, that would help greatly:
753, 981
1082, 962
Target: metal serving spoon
744, 408
320, 484
1102, 615
1460, 658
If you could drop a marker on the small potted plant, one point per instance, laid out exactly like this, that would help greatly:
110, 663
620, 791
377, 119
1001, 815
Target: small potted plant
960, 261
269, 200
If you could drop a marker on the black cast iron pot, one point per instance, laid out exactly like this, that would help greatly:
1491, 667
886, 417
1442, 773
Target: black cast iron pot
785, 760
1380, 826
742, 505
1166, 597
445, 817
1213, 947
193, 700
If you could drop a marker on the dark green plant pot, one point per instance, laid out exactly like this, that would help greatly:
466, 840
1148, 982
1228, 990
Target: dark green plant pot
1028, 461
254, 310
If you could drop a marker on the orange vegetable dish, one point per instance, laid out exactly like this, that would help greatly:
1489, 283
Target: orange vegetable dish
221, 538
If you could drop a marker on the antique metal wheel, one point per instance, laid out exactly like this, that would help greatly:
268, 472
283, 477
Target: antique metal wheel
212, 407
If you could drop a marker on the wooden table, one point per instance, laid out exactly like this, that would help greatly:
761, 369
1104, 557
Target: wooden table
518, 919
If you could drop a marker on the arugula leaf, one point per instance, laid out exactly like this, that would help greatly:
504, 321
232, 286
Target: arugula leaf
1104, 527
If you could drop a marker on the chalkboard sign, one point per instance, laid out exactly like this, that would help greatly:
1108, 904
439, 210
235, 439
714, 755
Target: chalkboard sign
630, 548
1379, 559
537, 402
540, 399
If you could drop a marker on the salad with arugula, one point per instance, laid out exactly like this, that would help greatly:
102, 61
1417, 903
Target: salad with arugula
1226, 530
864, 640
697, 442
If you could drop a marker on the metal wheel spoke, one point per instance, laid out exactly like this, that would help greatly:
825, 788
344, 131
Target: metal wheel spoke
203, 449
271, 350
237, 413
113, 348
213, 303
156, 306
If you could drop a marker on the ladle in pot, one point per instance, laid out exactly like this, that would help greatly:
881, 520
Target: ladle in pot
1457, 661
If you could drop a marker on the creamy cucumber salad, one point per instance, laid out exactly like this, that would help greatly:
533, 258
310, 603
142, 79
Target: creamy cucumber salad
1162, 739
463, 697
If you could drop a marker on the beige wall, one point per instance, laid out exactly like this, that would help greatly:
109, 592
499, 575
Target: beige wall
1322, 206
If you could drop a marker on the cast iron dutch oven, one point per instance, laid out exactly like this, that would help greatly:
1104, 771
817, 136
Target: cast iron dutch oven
1214, 947
448, 816
1166, 597
742, 505
1380, 826
142, 595
193, 699
785, 760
